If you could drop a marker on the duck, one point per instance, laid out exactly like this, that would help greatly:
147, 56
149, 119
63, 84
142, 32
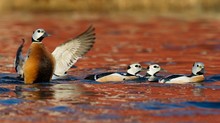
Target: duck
131, 74
152, 70
39, 65
197, 75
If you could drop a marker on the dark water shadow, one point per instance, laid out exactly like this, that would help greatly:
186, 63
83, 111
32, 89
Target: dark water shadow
212, 78
156, 106
186, 112
200, 108
6, 78
211, 105
179, 109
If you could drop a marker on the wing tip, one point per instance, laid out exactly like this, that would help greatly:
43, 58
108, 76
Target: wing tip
90, 31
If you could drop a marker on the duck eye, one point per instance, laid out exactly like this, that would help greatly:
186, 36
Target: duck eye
138, 66
38, 31
197, 65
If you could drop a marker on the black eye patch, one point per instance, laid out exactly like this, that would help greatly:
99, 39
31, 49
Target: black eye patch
138, 66
156, 67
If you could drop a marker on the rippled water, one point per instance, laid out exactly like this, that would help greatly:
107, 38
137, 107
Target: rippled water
174, 44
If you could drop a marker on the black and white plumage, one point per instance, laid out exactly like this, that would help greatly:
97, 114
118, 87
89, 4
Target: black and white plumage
65, 55
152, 71
197, 75
131, 74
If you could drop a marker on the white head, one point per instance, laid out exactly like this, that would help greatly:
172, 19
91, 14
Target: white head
133, 69
198, 68
39, 35
153, 69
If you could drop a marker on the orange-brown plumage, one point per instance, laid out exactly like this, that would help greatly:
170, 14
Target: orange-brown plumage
198, 78
39, 66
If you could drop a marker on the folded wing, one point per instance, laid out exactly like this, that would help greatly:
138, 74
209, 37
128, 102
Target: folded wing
69, 52
19, 60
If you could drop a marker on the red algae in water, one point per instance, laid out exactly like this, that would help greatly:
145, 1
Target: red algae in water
172, 43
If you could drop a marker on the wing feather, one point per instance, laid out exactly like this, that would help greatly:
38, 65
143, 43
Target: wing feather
69, 52
19, 60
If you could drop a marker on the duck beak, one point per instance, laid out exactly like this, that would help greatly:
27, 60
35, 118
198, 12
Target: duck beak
163, 70
203, 69
46, 34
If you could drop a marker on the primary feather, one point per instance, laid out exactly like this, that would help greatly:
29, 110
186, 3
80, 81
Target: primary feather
69, 52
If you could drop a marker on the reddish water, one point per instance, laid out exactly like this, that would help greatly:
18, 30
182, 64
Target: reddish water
172, 43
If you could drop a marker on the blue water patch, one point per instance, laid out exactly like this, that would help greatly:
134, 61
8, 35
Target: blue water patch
212, 78
11, 101
4, 90
161, 106
185, 112
107, 116
179, 109
61, 109
209, 86
156, 106
214, 105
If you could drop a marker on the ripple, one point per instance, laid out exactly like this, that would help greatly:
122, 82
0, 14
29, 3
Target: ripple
61, 109
4, 90
11, 101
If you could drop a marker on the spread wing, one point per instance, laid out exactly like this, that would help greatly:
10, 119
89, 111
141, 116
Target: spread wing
69, 52
19, 60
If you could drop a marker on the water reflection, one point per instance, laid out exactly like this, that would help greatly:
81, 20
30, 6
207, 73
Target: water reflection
56, 92
197, 91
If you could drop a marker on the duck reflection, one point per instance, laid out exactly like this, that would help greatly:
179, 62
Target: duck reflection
58, 92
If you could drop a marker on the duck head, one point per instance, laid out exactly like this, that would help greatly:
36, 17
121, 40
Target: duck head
198, 68
39, 35
134, 69
153, 69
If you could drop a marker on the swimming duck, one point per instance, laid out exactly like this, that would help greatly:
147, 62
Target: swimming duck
197, 75
131, 73
152, 70
40, 65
